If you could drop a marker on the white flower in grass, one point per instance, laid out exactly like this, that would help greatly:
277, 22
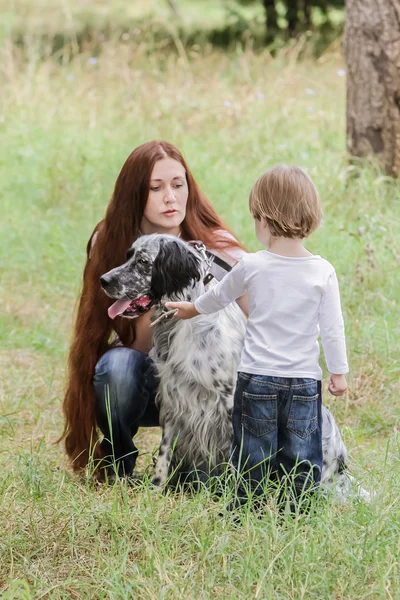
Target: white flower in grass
310, 109
260, 96
310, 92
70, 77
341, 72
227, 103
92, 60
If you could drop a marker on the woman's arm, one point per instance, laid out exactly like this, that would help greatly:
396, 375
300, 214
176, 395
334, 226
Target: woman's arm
144, 334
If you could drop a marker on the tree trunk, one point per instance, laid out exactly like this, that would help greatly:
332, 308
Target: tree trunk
292, 16
307, 13
271, 19
372, 44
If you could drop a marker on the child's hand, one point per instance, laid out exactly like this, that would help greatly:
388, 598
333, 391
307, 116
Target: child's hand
186, 310
337, 385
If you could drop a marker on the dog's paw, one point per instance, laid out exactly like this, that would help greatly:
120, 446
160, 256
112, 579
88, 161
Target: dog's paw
157, 484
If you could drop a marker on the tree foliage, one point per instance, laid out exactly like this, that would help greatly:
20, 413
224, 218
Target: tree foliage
297, 15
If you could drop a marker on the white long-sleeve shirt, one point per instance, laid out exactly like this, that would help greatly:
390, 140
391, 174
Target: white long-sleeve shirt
292, 301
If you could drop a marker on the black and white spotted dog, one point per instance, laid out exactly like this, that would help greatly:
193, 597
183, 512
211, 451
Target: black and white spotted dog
196, 360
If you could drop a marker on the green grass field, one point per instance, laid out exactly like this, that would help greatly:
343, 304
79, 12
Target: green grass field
66, 127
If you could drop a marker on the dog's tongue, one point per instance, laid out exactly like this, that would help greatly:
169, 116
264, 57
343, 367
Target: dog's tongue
118, 307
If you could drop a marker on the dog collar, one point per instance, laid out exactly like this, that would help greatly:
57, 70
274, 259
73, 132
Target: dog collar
209, 256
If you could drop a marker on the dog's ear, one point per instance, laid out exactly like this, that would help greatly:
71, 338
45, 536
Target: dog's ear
175, 268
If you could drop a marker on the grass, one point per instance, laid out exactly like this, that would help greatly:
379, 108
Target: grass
90, 22
66, 127
153, 24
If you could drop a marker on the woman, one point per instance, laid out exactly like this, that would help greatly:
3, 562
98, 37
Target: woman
111, 379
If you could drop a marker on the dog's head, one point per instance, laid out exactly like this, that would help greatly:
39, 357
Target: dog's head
157, 266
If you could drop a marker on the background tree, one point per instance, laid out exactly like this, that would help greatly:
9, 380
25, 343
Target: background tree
372, 43
271, 17
297, 13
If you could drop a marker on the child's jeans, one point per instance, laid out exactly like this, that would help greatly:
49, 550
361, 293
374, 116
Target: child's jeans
277, 431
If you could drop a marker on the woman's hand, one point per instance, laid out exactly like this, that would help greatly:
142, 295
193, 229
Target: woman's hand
337, 385
185, 310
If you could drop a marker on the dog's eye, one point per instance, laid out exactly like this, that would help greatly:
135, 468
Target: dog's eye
144, 261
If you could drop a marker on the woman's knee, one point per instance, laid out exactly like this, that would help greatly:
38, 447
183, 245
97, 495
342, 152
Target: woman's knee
119, 363
118, 376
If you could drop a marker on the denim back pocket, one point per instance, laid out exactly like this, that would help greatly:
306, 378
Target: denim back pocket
259, 413
303, 415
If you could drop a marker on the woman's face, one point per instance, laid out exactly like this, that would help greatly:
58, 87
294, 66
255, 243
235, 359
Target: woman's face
166, 205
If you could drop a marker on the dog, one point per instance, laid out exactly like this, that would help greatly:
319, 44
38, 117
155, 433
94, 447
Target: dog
196, 360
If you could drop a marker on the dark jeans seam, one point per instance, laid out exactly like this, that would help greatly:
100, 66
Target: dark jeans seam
282, 386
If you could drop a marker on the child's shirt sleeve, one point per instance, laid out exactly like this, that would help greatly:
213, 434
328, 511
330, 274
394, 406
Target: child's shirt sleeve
231, 287
332, 328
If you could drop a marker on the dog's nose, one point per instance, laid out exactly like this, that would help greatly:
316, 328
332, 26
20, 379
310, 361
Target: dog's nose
105, 281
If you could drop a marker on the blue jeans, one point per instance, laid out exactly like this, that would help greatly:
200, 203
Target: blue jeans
277, 430
125, 386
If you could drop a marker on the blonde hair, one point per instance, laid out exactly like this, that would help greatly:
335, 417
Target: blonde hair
286, 197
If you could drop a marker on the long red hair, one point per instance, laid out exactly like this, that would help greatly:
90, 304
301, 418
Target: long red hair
93, 328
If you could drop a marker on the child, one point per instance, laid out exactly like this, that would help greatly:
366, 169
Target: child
293, 298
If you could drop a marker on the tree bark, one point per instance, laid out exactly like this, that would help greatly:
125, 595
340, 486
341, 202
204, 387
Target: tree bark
271, 17
372, 45
307, 13
292, 16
